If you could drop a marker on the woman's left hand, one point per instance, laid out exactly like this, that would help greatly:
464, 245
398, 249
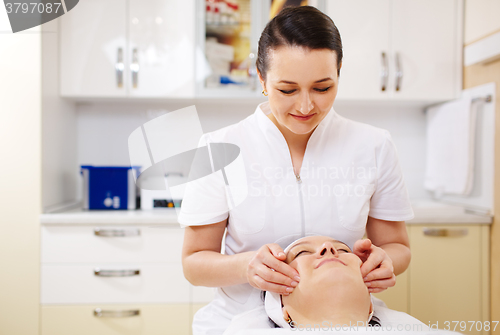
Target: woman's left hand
377, 269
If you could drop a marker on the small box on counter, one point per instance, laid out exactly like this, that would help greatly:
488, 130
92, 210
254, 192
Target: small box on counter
109, 187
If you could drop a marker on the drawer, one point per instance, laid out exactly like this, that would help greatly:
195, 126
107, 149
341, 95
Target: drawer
78, 284
128, 244
152, 320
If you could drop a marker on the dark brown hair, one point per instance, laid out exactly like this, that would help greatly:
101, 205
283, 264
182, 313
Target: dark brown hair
303, 26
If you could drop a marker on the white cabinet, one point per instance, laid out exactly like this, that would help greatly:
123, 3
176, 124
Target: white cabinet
364, 29
93, 49
399, 49
112, 264
133, 273
120, 48
162, 48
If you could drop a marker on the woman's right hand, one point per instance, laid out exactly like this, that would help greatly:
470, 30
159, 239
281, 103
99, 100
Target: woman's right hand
267, 270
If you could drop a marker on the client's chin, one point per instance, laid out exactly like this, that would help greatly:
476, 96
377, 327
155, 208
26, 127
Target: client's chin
333, 298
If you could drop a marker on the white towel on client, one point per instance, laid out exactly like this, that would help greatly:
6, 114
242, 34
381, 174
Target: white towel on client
450, 147
256, 321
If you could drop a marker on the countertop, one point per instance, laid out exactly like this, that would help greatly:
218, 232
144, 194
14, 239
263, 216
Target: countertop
426, 212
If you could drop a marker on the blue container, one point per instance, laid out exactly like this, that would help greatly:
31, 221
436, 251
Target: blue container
109, 187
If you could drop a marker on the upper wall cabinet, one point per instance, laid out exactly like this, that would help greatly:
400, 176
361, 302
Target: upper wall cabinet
120, 48
399, 49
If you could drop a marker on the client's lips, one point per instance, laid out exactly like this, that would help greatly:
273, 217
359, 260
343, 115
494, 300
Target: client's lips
329, 260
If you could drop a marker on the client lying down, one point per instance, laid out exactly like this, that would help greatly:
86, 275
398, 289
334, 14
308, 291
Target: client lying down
331, 294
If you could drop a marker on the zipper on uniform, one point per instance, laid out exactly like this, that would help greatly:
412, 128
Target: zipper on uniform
302, 216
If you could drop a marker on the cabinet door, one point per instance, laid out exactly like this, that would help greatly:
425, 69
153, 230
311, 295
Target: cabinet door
446, 275
397, 297
93, 49
426, 37
161, 52
172, 319
364, 29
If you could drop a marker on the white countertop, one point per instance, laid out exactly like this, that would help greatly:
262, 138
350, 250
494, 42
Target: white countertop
430, 212
426, 212
113, 217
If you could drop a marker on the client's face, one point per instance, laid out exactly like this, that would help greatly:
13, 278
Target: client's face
330, 276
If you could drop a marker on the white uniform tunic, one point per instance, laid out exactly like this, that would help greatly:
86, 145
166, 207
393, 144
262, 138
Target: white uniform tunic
350, 171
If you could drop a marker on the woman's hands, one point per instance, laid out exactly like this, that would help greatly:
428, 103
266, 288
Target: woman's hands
377, 269
267, 270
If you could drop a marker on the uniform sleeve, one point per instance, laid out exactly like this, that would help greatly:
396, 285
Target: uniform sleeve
204, 200
390, 201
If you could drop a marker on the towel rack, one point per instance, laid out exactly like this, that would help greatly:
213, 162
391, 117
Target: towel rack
485, 98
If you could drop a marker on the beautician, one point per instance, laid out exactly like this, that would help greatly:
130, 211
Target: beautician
309, 171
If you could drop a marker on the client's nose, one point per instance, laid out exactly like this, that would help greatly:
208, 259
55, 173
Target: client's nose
328, 247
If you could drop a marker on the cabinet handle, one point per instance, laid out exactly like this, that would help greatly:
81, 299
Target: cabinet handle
116, 273
384, 74
444, 232
134, 68
116, 232
399, 72
119, 67
99, 313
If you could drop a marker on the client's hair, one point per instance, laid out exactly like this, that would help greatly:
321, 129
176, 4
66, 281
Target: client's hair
374, 322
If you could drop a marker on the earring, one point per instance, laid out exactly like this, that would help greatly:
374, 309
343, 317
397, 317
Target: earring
289, 321
370, 315
264, 92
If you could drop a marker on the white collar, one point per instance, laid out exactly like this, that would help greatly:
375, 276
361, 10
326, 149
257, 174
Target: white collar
270, 129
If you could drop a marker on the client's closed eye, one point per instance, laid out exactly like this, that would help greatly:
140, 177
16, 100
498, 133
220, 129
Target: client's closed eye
301, 252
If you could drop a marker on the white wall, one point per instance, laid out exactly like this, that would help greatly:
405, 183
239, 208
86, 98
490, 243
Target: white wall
103, 130
59, 159
20, 182
407, 127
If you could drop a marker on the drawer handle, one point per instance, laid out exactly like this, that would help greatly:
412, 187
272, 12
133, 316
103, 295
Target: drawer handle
444, 232
116, 232
99, 313
116, 273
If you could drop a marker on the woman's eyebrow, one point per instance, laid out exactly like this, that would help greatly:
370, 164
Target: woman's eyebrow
294, 83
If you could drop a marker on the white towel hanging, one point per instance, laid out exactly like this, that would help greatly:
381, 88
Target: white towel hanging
450, 147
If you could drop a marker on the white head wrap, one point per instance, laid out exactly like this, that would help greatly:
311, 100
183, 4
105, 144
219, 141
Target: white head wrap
273, 304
